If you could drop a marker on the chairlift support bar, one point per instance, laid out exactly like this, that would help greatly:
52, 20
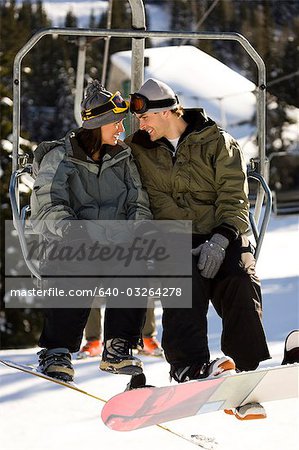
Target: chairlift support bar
137, 59
107, 43
259, 234
137, 63
80, 79
138, 34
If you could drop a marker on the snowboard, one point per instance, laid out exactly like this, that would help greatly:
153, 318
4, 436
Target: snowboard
143, 407
31, 370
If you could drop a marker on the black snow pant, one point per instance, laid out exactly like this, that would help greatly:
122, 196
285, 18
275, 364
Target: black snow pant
66, 317
236, 296
64, 327
235, 293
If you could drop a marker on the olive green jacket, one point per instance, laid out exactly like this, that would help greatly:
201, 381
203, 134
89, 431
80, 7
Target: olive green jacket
204, 181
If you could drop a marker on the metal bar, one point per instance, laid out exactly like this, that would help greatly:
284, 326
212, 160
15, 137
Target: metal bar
253, 227
259, 235
18, 222
16, 113
107, 43
137, 76
80, 80
137, 61
261, 135
139, 34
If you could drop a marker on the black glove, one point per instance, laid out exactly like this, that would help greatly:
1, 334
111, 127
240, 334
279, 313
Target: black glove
73, 230
211, 255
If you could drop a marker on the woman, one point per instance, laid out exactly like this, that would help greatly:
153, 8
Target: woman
86, 177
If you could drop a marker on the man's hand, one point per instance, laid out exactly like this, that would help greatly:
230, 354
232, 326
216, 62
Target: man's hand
211, 255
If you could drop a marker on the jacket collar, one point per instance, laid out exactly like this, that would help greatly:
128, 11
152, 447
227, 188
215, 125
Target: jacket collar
196, 119
74, 150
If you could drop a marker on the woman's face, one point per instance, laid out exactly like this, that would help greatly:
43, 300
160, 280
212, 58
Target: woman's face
110, 133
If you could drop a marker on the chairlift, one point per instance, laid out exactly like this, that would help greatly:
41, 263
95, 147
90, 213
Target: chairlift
138, 33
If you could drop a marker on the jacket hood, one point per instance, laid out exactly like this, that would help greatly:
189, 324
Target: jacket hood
44, 147
196, 119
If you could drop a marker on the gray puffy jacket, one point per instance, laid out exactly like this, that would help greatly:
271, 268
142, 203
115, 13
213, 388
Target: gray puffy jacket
70, 185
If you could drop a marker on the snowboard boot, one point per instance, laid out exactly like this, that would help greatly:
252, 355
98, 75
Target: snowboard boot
56, 363
117, 358
291, 348
151, 347
219, 367
90, 349
250, 411
136, 382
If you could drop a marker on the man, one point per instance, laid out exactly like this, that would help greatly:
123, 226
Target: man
193, 170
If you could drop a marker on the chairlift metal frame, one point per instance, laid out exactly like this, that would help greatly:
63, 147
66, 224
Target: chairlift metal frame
138, 34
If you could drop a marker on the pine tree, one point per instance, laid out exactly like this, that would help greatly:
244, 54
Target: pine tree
181, 17
70, 20
121, 19
9, 39
65, 101
289, 89
39, 19
92, 19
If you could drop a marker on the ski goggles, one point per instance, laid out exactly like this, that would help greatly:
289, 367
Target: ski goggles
139, 104
116, 104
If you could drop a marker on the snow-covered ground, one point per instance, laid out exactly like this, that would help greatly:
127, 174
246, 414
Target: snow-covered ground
36, 414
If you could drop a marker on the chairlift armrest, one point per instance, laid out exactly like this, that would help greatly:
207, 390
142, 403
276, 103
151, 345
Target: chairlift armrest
259, 232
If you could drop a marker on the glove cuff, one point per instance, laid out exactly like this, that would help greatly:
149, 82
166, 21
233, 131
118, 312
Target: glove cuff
226, 230
71, 228
62, 226
222, 241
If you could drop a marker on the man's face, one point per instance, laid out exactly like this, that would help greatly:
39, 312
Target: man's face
155, 124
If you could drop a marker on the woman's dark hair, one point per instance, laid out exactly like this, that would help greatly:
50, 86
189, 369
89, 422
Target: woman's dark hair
90, 141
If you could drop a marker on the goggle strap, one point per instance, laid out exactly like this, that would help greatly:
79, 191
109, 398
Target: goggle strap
161, 103
90, 113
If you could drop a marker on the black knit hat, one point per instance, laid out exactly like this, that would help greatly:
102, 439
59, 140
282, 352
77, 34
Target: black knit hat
96, 95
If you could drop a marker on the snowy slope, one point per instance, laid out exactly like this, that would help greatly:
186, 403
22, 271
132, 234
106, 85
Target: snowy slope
37, 415
57, 9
